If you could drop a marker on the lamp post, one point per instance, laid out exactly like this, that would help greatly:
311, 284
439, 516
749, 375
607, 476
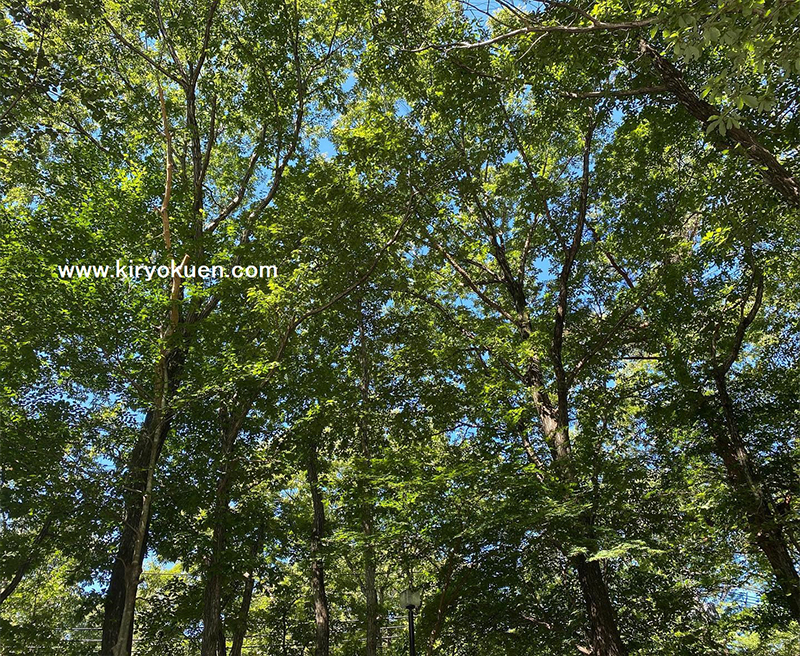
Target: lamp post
410, 600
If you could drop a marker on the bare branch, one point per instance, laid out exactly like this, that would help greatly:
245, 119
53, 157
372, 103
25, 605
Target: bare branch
598, 26
744, 323
138, 51
508, 366
170, 166
85, 133
282, 162
616, 93
237, 200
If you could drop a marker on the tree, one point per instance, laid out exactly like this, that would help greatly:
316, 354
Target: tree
521, 332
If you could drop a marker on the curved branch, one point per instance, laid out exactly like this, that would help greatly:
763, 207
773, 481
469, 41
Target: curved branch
6, 592
597, 26
773, 172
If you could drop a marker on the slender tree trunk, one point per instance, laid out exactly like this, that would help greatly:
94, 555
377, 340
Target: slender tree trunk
445, 599
120, 598
765, 531
604, 633
221, 645
367, 522
240, 631
321, 614
370, 593
213, 632
212, 604
283, 635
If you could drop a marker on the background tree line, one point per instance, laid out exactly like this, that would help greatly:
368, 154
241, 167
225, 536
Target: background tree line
532, 347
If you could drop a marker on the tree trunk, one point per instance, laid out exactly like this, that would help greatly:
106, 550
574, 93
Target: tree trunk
120, 598
370, 592
604, 634
554, 421
240, 631
367, 523
765, 531
283, 635
321, 615
221, 645
445, 599
212, 605
213, 633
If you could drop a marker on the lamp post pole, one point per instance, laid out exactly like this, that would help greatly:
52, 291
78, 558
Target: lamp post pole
412, 650
410, 600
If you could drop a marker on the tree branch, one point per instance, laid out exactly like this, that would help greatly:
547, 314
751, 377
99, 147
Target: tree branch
556, 346
237, 200
6, 592
138, 51
744, 323
170, 166
472, 284
770, 168
616, 93
597, 26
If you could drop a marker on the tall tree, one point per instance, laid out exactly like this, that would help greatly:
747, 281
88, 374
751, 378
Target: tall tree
321, 611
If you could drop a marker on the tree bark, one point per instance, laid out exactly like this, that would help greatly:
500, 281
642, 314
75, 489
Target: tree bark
244, 611
212, 604
240, 631
213, 631
367, 521
117, 639
604, 634
773, 172
765, 531
221, 644
321, 614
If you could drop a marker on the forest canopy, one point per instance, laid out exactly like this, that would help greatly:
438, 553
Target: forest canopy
305, 304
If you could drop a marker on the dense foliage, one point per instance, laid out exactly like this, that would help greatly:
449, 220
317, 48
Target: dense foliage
524, 334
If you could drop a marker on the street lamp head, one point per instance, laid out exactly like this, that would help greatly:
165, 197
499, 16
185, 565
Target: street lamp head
410, 599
